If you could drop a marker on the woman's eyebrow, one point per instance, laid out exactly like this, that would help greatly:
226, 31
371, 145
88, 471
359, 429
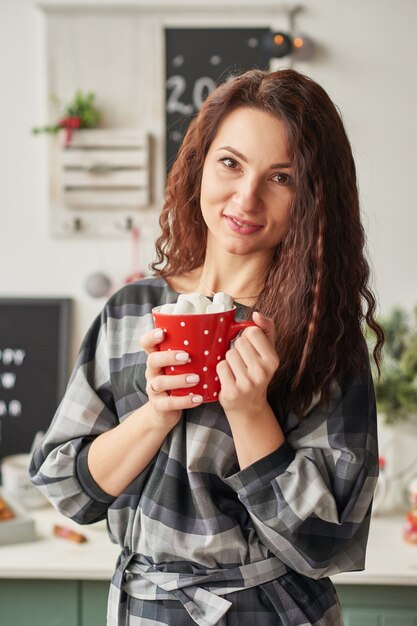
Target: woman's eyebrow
242, 156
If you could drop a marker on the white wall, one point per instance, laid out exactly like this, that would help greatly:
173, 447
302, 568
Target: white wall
368, 67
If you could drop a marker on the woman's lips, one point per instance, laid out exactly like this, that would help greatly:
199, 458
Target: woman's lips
243, 227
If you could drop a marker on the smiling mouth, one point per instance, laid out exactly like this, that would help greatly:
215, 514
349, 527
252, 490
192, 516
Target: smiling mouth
242, 227
241, 223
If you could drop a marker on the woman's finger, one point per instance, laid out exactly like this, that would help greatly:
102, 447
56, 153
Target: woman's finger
262, 345
246, 350
163, 383
236, 363
164, 358
150, 340
255, 349
258, 339
163, 403
265, 324
227, 379
246, 366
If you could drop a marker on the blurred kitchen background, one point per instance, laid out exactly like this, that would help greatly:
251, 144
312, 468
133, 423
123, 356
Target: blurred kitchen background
366, 60
79, 210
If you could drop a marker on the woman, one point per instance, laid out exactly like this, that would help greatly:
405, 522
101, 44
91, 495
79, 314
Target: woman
240, 509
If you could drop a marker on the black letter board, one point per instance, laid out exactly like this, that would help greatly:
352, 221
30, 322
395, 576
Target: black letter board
197, 60
34, 350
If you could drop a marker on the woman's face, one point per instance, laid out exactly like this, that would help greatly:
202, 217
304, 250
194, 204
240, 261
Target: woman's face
247, 183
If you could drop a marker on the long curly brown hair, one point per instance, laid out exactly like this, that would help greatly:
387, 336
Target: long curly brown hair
317, 288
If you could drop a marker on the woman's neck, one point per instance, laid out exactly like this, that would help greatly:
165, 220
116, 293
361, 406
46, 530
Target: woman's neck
210, 283
242, 278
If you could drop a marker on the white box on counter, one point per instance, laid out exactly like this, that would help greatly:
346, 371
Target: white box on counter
18, 529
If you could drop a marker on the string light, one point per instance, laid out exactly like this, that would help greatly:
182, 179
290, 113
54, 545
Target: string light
280, 44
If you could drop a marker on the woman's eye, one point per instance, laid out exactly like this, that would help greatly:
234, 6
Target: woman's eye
228, 162
283, 179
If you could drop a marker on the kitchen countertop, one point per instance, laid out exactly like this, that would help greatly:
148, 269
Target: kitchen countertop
390, 560
52, 557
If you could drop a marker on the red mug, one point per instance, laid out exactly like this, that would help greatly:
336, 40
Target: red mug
206, 338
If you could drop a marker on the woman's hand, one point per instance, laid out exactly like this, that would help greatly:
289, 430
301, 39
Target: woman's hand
248, 369
167, 409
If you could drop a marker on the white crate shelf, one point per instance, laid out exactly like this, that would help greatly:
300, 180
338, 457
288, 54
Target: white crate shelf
102, 180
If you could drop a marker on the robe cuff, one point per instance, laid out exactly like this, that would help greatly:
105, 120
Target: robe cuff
86, 480
261, 472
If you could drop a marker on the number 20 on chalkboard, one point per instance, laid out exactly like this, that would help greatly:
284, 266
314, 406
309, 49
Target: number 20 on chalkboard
178, 85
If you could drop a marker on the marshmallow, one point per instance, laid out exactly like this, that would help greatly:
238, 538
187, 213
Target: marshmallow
183, 307
223, 299
216, 308
196, 303
167, 308
191, 303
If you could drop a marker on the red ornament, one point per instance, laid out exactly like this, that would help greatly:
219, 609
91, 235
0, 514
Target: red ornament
136, 273
134, 276
69, 124
382, 462
410, 529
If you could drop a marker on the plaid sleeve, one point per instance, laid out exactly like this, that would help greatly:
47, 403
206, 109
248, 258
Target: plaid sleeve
107, 384
310, 501
58, 466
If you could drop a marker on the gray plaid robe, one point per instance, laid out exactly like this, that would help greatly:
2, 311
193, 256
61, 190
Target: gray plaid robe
201, 541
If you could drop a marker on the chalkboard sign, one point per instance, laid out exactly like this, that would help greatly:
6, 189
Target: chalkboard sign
197, 60
34, 349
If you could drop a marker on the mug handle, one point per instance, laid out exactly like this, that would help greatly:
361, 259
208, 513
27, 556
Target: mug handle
236, 327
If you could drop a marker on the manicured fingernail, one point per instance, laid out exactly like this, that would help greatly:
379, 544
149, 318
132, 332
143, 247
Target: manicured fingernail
181, 356
196, 399
192, 378
158, 333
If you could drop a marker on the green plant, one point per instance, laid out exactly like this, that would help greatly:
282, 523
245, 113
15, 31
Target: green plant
396, 389
79, 113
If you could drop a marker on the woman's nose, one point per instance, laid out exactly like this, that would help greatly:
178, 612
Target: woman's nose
247, 196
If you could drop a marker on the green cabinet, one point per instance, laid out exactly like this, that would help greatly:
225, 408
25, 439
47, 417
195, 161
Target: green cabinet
53, 602
378, 605
39, 603
360, 617
93, 602
377, 617
84, 603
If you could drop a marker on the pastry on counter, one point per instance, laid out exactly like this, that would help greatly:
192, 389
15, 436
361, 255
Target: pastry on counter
410, 529
6, 512
66, 533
